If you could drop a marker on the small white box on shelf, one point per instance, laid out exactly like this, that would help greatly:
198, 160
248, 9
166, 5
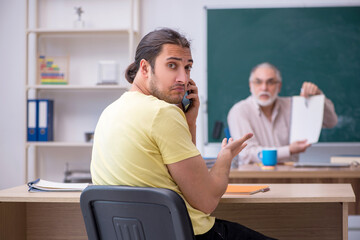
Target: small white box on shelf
107, 72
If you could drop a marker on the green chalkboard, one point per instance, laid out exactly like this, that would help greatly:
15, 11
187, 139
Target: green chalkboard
321, 45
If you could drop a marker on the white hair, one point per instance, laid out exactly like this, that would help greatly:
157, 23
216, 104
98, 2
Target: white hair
268, 65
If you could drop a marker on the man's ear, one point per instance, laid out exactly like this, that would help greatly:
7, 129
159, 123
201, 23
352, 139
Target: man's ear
250, 89
145, 68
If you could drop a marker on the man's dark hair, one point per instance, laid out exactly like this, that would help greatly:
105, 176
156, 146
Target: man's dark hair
150, 47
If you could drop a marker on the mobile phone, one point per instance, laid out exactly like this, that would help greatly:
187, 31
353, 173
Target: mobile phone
186, 103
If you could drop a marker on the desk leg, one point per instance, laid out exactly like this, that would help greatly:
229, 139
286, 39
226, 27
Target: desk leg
289, 221
345, 220
12, 221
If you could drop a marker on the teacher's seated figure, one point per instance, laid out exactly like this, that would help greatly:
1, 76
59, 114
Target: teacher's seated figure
267, 116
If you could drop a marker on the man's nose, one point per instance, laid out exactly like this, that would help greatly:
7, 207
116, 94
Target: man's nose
182, 77
264, 85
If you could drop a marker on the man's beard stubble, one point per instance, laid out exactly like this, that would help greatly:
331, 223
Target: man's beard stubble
161, 95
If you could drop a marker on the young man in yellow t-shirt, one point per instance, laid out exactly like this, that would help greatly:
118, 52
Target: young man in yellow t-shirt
145, 139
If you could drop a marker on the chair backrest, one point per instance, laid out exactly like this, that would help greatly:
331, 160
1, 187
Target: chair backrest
134, 213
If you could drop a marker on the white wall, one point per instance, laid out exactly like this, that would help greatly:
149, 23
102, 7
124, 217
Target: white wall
187, 16
12, 94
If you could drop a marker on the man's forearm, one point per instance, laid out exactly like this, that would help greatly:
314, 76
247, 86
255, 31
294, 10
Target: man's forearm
203, 188
330, 118
220, 175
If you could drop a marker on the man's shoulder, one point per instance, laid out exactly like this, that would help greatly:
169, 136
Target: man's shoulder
243, 105
144, 101
141, 105
154, 106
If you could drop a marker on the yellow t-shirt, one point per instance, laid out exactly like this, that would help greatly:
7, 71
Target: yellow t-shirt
135, 137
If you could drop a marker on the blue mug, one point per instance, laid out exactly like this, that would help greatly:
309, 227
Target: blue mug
268, 157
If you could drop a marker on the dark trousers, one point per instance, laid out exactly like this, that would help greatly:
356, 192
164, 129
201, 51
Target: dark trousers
225, 230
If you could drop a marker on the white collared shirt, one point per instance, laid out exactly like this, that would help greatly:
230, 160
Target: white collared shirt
246, 116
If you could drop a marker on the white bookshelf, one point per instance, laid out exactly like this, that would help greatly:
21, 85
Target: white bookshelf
76, 87
59, 144
110, 32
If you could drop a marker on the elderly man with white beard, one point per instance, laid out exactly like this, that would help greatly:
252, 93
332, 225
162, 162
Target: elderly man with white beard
267, 116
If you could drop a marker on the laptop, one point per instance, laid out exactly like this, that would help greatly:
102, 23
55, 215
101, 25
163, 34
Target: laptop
320, 164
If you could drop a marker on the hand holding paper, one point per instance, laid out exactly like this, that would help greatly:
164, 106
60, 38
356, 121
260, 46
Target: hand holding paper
299, 146
309, 89
306, 121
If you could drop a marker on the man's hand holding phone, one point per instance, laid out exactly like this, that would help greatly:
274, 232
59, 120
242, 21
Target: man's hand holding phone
186, 103
193, 104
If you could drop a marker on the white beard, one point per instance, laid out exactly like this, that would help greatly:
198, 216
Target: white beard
266, 103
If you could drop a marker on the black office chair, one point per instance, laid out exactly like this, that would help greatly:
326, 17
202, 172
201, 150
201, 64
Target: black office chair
134, 213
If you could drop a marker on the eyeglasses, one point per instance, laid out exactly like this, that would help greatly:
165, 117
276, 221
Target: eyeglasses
271, 82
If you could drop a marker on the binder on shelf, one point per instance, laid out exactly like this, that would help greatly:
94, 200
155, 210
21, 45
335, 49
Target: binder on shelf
45, 120
32, 120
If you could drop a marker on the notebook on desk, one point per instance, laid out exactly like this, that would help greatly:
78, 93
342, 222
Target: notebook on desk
320, 164
40, 185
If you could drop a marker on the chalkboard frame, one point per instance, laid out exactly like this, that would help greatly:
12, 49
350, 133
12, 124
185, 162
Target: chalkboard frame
228, 74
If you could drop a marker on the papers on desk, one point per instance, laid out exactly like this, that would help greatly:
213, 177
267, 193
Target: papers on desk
306, 118
41, 185
246, 189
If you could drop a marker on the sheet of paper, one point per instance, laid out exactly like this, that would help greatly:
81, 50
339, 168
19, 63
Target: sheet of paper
306, 118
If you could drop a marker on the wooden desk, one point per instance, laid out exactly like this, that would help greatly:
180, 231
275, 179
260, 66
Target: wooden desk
287, 211
290, 174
